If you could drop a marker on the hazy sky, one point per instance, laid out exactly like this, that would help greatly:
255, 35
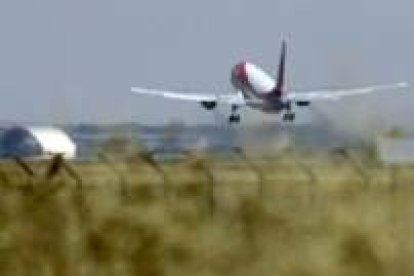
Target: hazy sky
76, 60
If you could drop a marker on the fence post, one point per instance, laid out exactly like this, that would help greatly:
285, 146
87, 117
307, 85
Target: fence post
148, 157
394, 178
57, 164
54, 167
358, 167
3, 177
255, 169
50, 188
118, 174
27, 170
23, 165
200, 164
72, 172
312, 178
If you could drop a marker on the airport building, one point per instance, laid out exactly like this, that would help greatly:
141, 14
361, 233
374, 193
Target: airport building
36, 142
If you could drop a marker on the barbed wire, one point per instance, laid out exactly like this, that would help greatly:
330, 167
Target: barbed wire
199, 162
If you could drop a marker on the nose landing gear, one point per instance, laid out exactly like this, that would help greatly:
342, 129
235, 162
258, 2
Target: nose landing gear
289, 117
234, 117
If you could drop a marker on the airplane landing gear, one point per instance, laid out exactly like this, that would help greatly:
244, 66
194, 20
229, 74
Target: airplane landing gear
234, 117
289, 117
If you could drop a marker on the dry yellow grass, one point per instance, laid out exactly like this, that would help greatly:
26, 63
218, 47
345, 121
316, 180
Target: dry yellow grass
291, 215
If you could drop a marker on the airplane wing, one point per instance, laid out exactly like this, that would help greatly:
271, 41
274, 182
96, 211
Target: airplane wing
340, 93
230, 99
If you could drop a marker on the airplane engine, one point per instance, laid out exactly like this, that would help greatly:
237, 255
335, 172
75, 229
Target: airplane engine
303, 103
209, 105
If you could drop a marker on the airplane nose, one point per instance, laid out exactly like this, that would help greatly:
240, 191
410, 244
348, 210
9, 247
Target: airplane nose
240, 73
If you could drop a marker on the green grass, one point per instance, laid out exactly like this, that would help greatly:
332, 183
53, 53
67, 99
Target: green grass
290, 215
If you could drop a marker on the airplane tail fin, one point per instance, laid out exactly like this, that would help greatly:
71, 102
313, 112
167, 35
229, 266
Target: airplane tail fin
280, 78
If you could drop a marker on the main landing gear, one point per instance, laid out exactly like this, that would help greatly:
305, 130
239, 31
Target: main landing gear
234, 117
289, 116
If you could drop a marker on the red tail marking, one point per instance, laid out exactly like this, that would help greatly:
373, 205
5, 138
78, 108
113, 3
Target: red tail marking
240, 73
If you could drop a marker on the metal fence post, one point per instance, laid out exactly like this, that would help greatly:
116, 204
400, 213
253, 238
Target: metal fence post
3, 177
255, 169
312, 178
72, 172
117, 173
148, 157
200, 164
358, 167
23, 165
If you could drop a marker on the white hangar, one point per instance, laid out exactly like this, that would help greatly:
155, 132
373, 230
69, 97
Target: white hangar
36, 142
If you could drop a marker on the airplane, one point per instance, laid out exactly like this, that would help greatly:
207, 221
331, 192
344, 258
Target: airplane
258, 90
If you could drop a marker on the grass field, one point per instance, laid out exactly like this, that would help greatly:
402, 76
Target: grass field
281, 215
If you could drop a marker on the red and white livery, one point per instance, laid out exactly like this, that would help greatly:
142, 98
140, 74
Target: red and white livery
257, 89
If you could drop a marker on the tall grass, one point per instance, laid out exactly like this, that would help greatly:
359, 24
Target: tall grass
286, 215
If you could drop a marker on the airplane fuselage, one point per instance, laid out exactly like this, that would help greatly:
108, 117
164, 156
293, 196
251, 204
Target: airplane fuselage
258, 88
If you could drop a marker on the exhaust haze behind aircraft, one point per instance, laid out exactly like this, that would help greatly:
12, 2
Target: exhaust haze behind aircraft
258, 90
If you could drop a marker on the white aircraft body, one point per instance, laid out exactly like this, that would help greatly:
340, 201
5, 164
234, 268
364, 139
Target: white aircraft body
257, 89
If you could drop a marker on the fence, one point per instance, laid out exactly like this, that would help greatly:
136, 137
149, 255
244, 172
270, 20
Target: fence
350, 169
143, 217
